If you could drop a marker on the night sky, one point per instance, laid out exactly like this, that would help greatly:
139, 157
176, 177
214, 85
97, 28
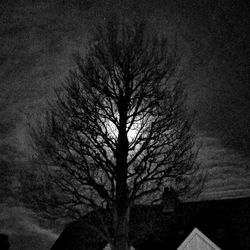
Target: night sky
37, 40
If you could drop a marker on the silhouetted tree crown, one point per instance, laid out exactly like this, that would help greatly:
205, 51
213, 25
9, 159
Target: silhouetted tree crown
118, 132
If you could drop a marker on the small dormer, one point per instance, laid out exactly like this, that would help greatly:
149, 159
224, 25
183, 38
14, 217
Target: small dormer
169, 200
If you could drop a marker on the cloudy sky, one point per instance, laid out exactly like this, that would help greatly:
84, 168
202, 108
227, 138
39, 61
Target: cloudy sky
38, 38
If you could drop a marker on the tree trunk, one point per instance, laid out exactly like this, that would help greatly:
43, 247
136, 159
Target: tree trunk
121, 207
121, 230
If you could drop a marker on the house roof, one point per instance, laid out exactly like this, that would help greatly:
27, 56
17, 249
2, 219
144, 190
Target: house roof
196, 240
225, 222
107, 247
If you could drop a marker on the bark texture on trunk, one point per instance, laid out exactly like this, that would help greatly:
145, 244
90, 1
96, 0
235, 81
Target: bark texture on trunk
121, 207
121, 227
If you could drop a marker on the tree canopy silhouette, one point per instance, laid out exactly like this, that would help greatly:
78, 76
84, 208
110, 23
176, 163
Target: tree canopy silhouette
119, 131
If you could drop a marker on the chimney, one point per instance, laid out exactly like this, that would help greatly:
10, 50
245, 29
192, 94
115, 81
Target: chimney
169, 200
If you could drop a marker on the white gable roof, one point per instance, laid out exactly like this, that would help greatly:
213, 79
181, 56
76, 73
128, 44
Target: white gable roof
196, 240
107, 247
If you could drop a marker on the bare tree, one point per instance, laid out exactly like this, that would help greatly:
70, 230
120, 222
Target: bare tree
119, 131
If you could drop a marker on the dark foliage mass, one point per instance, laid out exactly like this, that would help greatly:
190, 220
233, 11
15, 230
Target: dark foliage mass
118, 132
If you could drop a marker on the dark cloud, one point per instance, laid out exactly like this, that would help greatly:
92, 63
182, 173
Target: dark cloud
23, 229
219, 69
7, 150
6, 129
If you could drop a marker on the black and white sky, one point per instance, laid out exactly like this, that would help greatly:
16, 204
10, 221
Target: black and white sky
37, 40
